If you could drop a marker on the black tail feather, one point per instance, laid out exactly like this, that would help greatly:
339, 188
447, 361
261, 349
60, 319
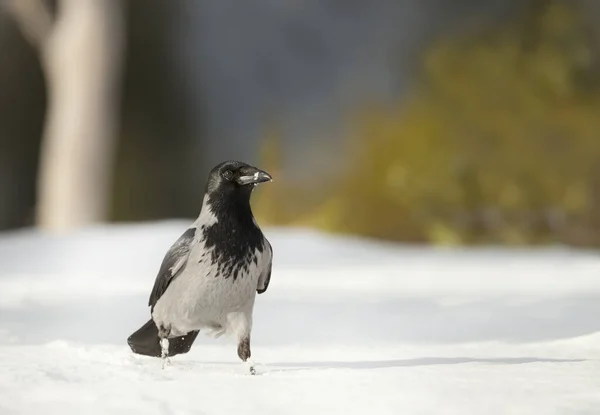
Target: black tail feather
145, 341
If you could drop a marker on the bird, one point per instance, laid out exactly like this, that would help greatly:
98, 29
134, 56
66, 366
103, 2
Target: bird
209, 278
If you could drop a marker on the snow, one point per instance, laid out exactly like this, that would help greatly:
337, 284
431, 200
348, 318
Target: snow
347, 326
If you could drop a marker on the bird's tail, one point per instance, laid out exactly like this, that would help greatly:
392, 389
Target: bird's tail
145, 341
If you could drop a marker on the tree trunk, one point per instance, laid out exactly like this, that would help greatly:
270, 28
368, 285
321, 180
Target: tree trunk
82, 63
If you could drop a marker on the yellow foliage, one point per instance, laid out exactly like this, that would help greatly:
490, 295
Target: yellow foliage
267, 202
493, 143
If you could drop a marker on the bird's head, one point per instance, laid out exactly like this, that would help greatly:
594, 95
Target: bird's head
235, 177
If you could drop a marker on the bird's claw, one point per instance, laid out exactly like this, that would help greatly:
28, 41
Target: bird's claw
250, 367
166, 362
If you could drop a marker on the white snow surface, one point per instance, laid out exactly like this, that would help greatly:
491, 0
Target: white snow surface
348, 326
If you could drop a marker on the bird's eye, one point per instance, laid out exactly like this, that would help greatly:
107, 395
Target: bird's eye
228, 174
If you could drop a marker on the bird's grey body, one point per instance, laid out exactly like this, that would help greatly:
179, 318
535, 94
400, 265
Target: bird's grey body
203, 296
209, 278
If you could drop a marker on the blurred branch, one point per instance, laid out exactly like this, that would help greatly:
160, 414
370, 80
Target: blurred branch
34, 18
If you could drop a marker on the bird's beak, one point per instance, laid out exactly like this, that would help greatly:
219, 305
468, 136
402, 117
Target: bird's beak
254, 176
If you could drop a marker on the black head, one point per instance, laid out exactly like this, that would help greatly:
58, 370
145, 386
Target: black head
235, 177
235, 236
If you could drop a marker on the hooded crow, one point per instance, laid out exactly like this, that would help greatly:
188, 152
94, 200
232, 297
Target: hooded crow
209, 278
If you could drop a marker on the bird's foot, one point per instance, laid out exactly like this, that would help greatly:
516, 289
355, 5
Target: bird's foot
165, 362
250, 367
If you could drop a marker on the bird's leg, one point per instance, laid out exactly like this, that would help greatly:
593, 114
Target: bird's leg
164, 345
244, 353
241, 324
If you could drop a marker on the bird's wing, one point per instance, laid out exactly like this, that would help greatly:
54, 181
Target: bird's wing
173, 263
265, 276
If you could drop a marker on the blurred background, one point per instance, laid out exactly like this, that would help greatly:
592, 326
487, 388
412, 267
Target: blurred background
422, 121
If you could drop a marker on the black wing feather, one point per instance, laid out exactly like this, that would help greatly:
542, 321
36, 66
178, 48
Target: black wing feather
266, 277
172, 265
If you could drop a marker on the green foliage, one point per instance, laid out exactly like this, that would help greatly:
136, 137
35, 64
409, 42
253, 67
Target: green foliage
498, 143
